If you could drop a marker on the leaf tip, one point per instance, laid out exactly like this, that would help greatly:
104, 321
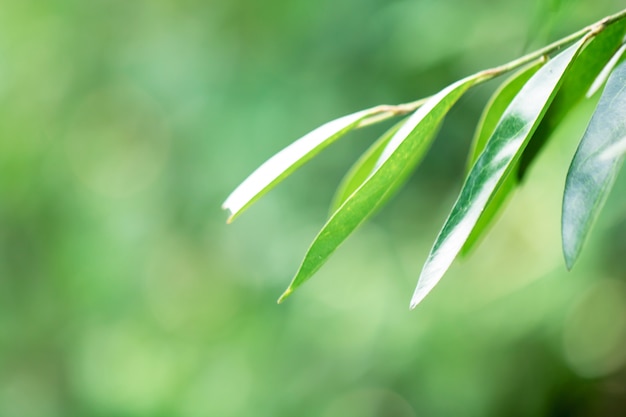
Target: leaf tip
571, 249
416, 299
231, 213
570, 260
286, 294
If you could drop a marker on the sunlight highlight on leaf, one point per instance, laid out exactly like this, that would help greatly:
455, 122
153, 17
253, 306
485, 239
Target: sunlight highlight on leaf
614, 151
281, 165
502, 151
398, 159
576, 84
491, 116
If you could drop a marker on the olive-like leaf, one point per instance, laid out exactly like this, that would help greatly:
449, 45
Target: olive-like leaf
494, 110
576, 84
606, 71
593, 170
398, 159
503, 149
285, 162
362, 168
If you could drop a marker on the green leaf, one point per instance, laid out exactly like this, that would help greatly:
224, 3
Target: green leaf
503, 149
576, 84
606, 72
285, 162
595, 165
495, 108
362, 168
491, 115
398, 159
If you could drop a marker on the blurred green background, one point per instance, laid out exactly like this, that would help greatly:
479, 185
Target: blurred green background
125, 124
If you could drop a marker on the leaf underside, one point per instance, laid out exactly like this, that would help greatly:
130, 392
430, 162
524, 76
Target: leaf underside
503, 149
595, 165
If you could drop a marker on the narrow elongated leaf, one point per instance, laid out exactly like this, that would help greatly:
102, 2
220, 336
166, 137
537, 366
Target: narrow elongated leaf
491, 115
593, 170
291, 158
398, 159
362, 168
502, 151
576, 84
495, 108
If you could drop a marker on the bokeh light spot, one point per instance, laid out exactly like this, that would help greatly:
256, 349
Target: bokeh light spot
595, 331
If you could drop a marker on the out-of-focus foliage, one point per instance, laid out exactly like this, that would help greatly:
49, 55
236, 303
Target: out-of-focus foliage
123, 126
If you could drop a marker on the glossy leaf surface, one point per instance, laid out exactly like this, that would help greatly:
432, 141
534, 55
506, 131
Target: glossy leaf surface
397, 160
285, 162
502, 151
576, 84
362, 168
594, 167
494, 110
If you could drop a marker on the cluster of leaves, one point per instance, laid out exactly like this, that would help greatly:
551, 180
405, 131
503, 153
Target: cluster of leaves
516, 123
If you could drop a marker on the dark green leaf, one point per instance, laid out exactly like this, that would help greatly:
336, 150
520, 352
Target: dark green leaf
491, 115
595, 165
398, 159
291, 158
497, 160
362, 168
577, 82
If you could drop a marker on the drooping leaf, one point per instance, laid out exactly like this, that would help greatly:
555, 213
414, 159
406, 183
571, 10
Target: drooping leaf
397, 160
495, 108
593, 170
362, 168
577, 82
491, 115
285, 162
503, 149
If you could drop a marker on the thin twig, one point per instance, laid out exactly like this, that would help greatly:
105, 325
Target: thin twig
384, 112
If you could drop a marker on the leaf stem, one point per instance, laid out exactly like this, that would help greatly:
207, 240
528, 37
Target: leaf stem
385, 112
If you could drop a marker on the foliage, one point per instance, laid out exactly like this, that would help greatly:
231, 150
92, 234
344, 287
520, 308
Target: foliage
125, 124
537, 95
